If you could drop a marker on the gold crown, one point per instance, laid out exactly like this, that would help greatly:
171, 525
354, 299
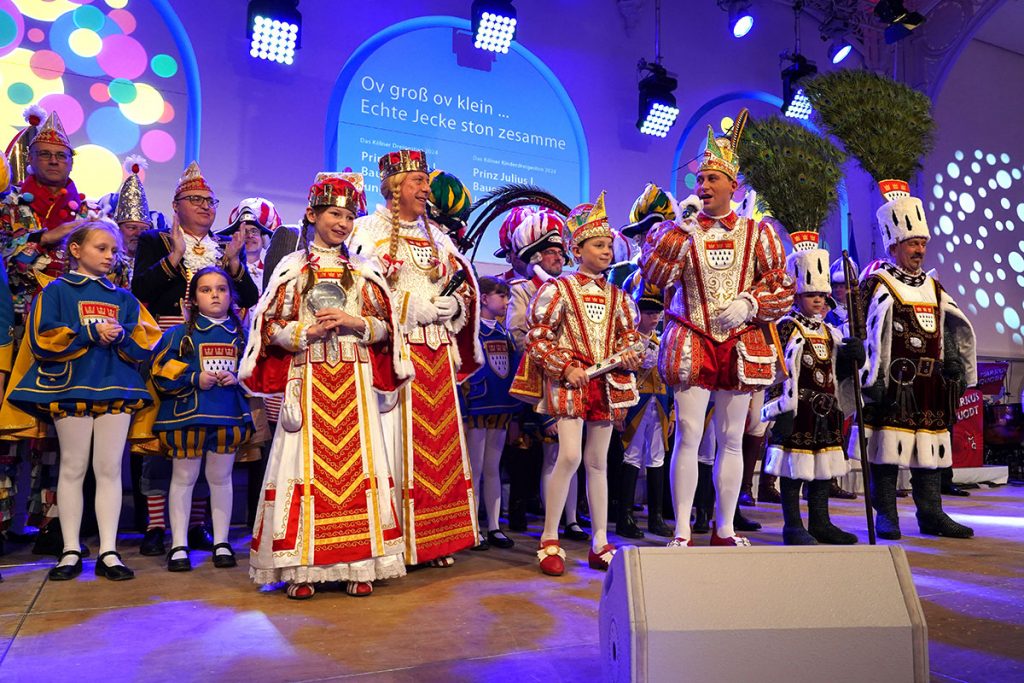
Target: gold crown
403, 161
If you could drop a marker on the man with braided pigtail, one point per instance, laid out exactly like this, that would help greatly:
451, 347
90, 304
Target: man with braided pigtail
734, 283
428, 453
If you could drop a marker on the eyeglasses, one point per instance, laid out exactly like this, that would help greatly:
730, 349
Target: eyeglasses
200, 200
253, 232
47, 156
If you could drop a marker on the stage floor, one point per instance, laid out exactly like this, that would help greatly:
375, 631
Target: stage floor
491, 617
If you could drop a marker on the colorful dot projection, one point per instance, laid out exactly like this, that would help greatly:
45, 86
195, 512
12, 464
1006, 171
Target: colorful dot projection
107, 67
979, 236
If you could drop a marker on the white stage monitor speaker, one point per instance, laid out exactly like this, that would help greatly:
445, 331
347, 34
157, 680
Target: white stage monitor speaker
793, 614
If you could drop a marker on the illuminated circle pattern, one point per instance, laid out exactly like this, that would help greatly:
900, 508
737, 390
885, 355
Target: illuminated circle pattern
984, 199
104, 66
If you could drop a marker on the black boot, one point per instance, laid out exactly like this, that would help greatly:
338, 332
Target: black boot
625, 525
704, 499
49, 540
793, 531
741, 523
819, 524
931, 519
655, 492
948, 487
883, 500
753, 448
766, 491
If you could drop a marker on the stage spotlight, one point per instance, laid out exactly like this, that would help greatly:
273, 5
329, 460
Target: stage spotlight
658, 109
901, 22
274, 30
494, 25
740, 18
839, 50
795, 103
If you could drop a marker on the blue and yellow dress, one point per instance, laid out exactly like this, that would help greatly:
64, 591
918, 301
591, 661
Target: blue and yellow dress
192, 421
70, 373
484, 397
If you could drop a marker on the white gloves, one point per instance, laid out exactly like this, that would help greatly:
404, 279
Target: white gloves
447, 307
691, 205
735, 314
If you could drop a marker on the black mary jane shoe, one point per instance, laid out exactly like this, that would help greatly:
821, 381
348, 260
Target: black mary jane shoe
113, 572
498, 539
221, 561
68, 571
182, 565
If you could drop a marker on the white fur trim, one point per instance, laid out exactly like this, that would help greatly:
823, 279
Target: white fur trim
901, 219
810, 271
788, 400
374, 569
817, 466
926, 449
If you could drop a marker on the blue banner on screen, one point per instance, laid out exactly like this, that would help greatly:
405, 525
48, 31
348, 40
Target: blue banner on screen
488, 119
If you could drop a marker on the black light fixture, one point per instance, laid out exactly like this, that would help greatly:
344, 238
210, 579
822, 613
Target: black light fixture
837, 28
494, 24
658, 110
274, 28
741, 20
900, 21
795, 104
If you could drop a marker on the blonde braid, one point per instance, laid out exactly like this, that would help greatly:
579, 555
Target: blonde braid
393, 183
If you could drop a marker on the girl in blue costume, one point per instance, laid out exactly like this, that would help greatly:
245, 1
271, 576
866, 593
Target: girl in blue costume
203, 409
87, 338
488, 407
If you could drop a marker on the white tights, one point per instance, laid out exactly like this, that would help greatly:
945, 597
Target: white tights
184, 474
485, 447
728, 421
595, 458
573, 493
105, 435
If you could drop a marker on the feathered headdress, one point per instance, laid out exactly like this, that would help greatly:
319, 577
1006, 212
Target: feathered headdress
795, 174
505, 198
889, 128
721, 153
449, 205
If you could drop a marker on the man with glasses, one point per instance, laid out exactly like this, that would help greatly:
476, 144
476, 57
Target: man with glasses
164, 265
43, 207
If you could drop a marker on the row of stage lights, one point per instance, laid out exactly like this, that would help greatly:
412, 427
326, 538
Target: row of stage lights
275, 29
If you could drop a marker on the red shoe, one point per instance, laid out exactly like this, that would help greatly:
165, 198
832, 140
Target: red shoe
599, 560
360, 589
301, 591
680, 543
552, 558
734, 541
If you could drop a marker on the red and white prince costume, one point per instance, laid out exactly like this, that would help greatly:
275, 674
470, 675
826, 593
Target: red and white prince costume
578, 320
730, 281
427, 446
328, 510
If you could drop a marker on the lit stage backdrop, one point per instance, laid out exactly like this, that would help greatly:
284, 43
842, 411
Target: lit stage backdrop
490, 120
977, 214
120, 74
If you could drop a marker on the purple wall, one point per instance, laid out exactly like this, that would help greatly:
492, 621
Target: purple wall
263, 123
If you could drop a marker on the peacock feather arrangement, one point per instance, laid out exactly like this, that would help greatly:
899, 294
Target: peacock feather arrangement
885, 125
794, 171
